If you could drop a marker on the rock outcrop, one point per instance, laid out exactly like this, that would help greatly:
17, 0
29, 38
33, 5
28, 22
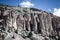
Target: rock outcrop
19, 24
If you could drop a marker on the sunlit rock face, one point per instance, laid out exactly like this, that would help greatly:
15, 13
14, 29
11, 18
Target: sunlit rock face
18, 24
56, 25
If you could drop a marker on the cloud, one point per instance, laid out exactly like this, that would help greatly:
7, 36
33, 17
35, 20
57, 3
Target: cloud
56, 12
26, 4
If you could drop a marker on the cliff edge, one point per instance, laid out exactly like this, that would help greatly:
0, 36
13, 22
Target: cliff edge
18, 23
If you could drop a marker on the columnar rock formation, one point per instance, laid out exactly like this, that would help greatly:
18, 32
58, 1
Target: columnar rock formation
40, 22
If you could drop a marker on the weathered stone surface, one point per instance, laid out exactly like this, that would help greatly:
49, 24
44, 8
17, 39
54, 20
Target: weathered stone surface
13, 22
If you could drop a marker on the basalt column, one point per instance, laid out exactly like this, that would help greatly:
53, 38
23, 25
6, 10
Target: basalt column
27, 21
39, 23
33, 23
20, 22
11, 21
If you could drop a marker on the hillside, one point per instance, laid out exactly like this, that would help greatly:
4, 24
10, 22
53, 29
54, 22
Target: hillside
17, 23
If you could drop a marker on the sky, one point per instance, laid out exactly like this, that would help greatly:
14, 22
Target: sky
52, 6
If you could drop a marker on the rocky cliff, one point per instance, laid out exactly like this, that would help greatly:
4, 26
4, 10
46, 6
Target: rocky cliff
28, 24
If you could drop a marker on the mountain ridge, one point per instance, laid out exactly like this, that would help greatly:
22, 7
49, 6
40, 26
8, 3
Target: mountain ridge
28, 24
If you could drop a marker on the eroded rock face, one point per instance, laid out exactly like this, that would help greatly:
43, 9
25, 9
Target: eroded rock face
56, 25
13, 22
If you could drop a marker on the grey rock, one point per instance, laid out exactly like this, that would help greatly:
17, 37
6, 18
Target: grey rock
17, 24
